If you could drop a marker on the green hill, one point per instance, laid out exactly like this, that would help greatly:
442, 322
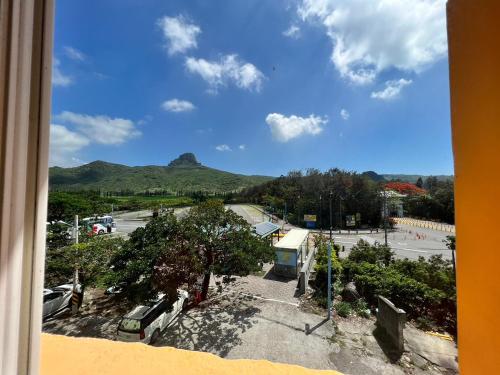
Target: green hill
182, 174
414, 177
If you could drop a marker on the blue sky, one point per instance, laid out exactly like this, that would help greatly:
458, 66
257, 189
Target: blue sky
255, 86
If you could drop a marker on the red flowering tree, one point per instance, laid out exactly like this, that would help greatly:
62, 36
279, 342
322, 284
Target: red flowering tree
406, 188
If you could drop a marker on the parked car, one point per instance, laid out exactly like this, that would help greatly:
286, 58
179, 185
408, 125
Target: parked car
99, 224
57, 299
146, 322
116, 289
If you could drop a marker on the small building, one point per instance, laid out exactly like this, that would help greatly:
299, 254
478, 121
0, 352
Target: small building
394, 201
291, 252
266, 229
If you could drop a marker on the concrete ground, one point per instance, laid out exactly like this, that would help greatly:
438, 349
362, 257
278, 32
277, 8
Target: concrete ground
259, 317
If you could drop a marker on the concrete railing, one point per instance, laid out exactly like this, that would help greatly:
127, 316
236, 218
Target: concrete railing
425, 224
305, 272
392, 320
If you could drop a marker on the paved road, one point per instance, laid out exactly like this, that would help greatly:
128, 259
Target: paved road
406, 241
127, 222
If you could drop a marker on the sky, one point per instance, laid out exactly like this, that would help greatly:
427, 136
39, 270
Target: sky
254, 86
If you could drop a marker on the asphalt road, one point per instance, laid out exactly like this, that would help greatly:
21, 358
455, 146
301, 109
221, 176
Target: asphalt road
127, 222
406, 242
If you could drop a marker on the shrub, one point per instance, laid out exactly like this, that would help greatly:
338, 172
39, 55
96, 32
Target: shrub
361, 308
343, 309
423, 287
321, 266
374, 254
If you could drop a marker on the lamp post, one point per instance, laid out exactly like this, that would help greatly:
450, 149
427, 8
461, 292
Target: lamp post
329, 280
340, 214
320, 212
330, 204
385, 216
298, 210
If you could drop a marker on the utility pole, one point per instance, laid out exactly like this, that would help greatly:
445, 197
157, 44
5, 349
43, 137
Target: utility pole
75, 229
298, 210
385, 216
329, 280
331, 225
340, 214
75, 297
284, 215
320, 214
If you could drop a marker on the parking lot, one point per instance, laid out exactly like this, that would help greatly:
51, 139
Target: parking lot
406, 241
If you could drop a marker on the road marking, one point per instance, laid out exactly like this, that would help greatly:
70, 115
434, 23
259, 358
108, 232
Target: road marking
414, 250
268, 299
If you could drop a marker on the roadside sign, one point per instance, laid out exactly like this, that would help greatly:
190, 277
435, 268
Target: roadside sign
350, 220
310, 218
310, 224
358, 217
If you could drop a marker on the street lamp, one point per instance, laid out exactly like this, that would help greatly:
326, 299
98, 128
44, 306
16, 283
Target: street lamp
385, 216
320, 212
330, 204
340, 214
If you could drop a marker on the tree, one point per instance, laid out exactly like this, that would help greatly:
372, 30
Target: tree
224, 242
171, 252
321, 266
92, 258
420, 183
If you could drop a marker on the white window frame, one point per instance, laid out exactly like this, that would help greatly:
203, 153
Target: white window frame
26, 40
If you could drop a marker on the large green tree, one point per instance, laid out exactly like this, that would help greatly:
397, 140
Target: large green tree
170, 252
92, 258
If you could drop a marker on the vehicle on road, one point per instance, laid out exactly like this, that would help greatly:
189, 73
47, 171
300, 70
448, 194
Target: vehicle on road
99, 224
57, 299
146, 322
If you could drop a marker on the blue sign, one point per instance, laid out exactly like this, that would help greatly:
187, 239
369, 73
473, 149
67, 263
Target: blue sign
310, 224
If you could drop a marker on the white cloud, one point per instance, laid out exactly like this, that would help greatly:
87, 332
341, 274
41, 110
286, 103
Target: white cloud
292, 32
230, 69
242, 147
371, 36
58, 78
74, 54
176, 105
101, 129
344, 113
63, 146
223, 148
392, 89
285, 128
179, 33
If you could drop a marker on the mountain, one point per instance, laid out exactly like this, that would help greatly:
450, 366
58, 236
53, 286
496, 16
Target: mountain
185, 160
414, 177
374, 176
182, 174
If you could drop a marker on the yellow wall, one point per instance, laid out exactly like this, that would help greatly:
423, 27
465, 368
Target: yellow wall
474, 48
63, 355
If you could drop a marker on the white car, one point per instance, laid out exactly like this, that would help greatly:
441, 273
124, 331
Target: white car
56, 299
146, 322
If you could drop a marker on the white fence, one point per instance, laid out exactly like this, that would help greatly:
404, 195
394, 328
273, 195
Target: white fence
425, 224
